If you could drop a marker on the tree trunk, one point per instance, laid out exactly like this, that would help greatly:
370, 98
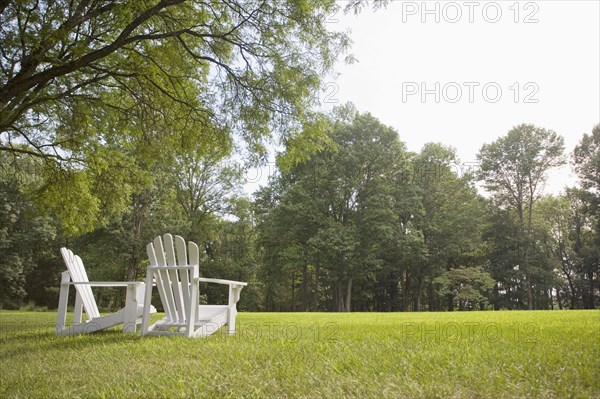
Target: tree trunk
405, 291
527, 244
418, 295
450, 299
338, 297
430, 298
348, 295
590, 299
316, 292
137, 223
572, 289
529, 294
418, 301
391, 299
304, 289
293, 286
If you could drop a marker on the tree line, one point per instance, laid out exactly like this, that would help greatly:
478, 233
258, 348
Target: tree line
371, 226
118, 121
359, 224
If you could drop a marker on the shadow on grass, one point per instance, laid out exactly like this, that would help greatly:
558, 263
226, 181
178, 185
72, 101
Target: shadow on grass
18, 339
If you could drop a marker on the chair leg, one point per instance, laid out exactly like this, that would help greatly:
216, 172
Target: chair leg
231, 314
234, 297
147, 300
61, 318
192, 309
130, 315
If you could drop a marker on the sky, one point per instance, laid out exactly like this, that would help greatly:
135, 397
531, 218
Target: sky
464, 73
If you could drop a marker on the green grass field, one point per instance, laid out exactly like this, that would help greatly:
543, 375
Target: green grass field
540, 354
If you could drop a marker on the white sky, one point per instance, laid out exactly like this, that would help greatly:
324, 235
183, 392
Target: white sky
554, 60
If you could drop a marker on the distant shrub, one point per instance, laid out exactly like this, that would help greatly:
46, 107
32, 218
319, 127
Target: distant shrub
30, 307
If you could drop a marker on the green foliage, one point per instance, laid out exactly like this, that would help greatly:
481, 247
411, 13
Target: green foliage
468, 285
360, 224
515, 166
322, 219
103, 92
26, 239
231, 254
514, 169
452, 216
585, 207
364, 218
586, 157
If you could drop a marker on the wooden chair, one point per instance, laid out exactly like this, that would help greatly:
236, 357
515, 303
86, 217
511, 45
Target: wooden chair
174, 270
84, 300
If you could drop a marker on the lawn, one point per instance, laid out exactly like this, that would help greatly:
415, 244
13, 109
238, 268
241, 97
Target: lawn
540, 354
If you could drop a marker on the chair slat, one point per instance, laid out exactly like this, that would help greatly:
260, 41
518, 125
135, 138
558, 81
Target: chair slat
86, 291
77, 272
174, 275
184, 275
165, 279
160, 284
194, 258
76, 276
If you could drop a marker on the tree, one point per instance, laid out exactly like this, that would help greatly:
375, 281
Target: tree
233, 256
503, 251
205, 187
324, 219
28, 250
514, 169
469, 286
568, 231
451, 221
586, 158
83, 85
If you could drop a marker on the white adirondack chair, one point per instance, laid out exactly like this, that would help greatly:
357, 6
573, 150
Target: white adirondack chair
174, 270
84, 299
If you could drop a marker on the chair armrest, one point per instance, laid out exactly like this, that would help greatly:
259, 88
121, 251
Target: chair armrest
106, 283
219, 281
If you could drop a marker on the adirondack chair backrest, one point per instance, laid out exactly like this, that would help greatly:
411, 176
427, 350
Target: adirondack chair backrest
78, 274
174, 284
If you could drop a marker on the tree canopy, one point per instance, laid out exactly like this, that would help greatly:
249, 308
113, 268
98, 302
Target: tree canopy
93, 89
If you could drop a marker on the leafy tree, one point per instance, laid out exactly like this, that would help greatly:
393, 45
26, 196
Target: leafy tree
451, 221
586, 158
469, 286
84, 85
570, 241
28, 250
325, 218
233, 256
513, 169
503, 251
205, 188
